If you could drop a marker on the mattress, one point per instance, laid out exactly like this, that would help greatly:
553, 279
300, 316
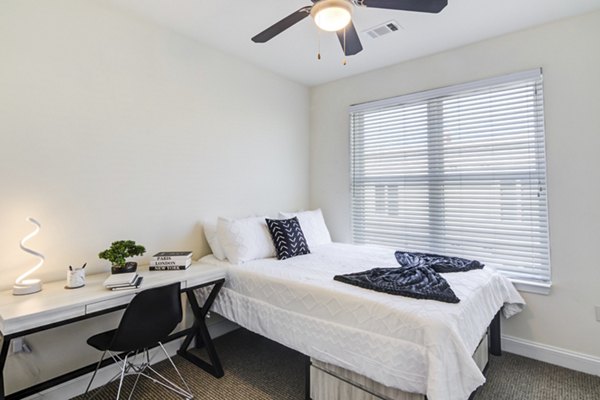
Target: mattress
418, 346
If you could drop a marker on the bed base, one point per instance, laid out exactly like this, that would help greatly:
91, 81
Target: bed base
329, 382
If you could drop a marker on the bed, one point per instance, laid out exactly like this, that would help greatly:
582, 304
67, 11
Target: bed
417, 346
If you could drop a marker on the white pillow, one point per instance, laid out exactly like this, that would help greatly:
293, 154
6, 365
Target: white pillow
313, 226
245, 239
210, 231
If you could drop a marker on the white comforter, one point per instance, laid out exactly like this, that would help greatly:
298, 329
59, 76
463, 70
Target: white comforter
420, 346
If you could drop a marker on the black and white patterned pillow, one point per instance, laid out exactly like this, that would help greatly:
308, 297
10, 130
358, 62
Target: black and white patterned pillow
288, 237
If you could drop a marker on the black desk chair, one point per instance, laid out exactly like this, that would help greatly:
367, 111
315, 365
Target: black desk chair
149, 318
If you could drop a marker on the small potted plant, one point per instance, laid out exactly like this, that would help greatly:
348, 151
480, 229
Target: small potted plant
118, 252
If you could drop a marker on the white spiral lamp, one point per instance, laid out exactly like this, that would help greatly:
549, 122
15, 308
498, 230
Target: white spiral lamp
22, 284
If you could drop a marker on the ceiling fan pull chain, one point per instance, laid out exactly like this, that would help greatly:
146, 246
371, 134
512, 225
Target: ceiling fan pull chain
319, 44
344, 62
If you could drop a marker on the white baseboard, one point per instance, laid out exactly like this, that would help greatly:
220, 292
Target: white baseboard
77, 386
552, 355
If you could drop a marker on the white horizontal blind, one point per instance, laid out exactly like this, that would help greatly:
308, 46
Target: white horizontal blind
457, 171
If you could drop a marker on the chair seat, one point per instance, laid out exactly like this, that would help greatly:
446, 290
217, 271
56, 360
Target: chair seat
101, 341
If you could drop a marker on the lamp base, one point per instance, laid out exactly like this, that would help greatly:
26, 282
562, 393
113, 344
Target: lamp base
28, 286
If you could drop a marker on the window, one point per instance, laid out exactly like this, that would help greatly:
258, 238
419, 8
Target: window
459, 171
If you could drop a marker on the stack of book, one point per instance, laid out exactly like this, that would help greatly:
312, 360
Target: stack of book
171, 260
130, 280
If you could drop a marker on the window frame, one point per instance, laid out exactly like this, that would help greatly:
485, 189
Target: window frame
430, 97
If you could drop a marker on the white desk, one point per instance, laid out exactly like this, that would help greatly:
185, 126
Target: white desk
56, 306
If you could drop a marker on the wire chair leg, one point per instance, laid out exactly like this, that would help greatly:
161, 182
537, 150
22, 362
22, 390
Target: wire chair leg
122, 376
103, 387
164, 382
137, 378
176, 370
95, 372
127, 368
138, 375
118, 362
159, 379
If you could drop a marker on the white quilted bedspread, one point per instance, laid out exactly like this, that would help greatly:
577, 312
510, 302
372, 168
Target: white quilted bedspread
420, 346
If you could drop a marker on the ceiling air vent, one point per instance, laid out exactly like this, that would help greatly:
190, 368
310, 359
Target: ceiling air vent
383, 29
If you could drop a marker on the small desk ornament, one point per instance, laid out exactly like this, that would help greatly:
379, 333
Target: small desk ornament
23, 285
75, 277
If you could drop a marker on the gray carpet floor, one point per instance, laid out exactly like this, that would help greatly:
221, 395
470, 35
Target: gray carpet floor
259, 369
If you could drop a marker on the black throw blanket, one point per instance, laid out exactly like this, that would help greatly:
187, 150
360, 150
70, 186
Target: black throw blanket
439, 263
417, 282
418, 277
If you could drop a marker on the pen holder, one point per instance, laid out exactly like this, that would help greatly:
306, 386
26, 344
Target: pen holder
75, 278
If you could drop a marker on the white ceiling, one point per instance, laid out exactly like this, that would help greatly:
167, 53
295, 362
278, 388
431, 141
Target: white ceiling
229, 25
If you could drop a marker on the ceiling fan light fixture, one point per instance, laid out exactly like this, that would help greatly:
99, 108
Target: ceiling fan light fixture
332, 15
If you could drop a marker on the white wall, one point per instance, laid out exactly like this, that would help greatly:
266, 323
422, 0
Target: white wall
114, 128
569, 54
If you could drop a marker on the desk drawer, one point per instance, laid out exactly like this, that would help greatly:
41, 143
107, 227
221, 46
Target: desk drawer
109, 303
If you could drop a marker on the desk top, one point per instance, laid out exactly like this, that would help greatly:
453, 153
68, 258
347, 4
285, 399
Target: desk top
55, 303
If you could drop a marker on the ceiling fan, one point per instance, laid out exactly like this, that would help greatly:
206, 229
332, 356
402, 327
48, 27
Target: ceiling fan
336, 16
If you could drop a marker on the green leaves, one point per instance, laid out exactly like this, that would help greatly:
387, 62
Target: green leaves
120, 250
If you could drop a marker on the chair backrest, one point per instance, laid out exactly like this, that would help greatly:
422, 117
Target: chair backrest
149, 318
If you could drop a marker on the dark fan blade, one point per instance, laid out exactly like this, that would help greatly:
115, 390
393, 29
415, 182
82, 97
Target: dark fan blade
353, 44
282, 25
429, 6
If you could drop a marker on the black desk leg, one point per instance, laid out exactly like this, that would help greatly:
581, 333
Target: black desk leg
200, 330
307, 378
495, 344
